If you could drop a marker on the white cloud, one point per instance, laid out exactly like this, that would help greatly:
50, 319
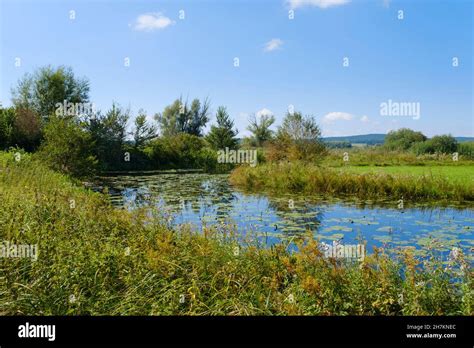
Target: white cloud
264, 111
152, 21
272, 45
364, 119
316, 3
336, 116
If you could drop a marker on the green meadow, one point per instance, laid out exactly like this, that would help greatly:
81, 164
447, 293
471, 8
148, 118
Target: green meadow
462, 174
414, 183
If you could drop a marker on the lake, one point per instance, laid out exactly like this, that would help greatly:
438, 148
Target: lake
207, 199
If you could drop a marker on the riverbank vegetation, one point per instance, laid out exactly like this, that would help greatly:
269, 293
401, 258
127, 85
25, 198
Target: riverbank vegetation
98, 260
52, 116
299, 162
360, 182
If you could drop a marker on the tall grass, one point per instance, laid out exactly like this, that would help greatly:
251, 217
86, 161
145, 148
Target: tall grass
312, 179
98, 260
380, 156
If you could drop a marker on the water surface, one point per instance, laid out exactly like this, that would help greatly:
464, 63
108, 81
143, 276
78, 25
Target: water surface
203, 200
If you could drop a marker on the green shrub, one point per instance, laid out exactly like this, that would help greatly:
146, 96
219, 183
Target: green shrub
466, 149
7, 121
402, 139
183, 151
67, 147
441, 144
423, 147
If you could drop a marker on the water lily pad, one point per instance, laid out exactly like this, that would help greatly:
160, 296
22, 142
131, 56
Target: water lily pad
338, 228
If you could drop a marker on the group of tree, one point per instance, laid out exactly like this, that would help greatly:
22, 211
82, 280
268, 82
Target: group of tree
93, 140
405, 139
82, 143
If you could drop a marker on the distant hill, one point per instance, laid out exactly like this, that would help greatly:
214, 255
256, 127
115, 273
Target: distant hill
369, 139
374, 139
464, 139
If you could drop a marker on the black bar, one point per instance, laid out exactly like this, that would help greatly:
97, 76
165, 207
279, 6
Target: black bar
352, 330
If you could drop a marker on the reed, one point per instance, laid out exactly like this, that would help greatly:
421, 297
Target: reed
312, 179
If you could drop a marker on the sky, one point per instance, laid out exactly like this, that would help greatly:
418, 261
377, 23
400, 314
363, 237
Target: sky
338, 60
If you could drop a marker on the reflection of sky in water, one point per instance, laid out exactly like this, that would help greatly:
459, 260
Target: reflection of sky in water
201, 199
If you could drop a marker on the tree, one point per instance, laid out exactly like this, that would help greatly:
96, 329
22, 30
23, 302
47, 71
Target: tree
198, 117
7, 121
143, 131
180, 151
181, 117
298, 138
260, 129
223, 135
438, 144
41, 91
299, 127
19, 128
109, 133
27, 129
403, 139
168, 120
444, 143
68, 147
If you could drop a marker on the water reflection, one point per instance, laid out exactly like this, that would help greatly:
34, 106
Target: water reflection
203, 200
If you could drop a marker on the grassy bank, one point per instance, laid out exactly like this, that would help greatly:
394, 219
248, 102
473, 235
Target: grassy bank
401, 182
379, 156
94, 259
462, 174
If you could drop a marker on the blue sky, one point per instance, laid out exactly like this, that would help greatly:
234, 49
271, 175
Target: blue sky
282, 61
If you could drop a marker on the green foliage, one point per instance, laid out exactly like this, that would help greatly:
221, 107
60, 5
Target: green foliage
222, 135
117, 262
108, 133
381, 156
403, 139
423, 147
181, 117
338, 144
143, 131
298, 138
27, 129
466, 149
67, 147
207, 161
7, 121
19, 128
260, 129
179, 151
41, 91
300, 128
442, 144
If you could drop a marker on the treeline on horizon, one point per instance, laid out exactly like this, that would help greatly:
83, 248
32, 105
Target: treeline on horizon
44, 120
